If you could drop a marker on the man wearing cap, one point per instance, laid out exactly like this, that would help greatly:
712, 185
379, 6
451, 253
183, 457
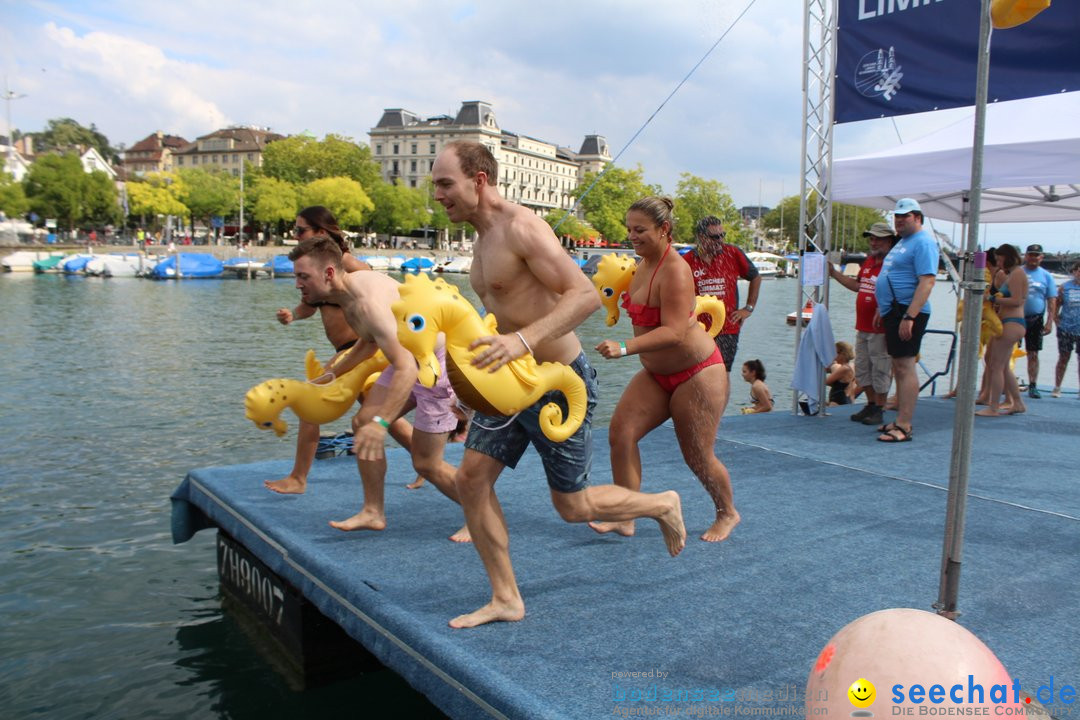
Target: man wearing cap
1041, 298
872, 365
717, 266
903, 295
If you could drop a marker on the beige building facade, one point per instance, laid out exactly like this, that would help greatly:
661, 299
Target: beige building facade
534, 173
226, 149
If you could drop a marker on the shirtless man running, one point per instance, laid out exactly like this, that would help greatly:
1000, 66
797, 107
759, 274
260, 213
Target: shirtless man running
365, 299
539, 296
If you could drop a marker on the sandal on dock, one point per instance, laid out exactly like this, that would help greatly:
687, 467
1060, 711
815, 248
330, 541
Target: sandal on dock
896, 434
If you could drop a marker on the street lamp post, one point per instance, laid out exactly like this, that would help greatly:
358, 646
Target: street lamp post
10, 95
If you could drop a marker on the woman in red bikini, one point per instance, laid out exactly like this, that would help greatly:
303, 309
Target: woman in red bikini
683, 377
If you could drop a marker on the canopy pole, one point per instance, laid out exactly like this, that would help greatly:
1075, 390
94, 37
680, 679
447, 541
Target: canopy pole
974, 287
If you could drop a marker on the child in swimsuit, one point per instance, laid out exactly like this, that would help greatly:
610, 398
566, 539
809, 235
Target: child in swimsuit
761, 401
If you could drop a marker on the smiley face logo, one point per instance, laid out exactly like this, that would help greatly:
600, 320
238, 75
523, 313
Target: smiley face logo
862, 693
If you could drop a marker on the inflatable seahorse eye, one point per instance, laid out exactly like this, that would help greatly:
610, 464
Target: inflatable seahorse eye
612, 278
319, 404
428, 307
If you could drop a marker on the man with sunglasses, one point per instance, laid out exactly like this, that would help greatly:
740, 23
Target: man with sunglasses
717, 267
1038, 312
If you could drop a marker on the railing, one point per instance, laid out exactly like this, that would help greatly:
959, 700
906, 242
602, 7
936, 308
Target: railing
932, 379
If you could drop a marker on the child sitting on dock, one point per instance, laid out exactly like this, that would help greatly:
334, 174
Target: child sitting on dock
841, 377
761, 401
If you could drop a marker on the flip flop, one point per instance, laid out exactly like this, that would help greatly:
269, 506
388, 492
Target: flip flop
896, 434
886, 427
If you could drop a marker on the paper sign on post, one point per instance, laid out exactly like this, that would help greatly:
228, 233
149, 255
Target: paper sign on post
813, 269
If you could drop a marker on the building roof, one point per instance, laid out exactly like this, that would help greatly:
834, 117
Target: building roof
248, 139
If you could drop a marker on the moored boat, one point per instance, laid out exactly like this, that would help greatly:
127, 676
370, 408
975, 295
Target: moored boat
23, 260
192, 265
279, 266
806, 313
455, 265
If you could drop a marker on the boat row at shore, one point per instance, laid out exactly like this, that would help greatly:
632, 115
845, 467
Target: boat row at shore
189, 265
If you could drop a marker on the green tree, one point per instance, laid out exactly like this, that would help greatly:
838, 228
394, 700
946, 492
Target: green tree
606, 204
695, 198
61, 134
342, 196
273, 200
398, 208
302, 159
156, 194
13, 202
58, 187
207, 194
849, 222
570, 227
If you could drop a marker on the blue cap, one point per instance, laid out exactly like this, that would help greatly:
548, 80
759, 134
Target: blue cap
906, 205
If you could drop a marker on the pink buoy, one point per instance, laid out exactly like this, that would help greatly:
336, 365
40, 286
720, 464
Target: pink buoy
909, 663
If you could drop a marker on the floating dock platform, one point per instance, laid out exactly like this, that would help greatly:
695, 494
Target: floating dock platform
834, 526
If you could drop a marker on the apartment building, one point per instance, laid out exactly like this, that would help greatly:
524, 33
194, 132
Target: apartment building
154, 153
226, 149
535, 173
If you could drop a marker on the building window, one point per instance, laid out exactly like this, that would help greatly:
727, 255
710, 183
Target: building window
378, 149
430, 165
394, 171
180, 161
395, 149
214, 159
431, 148
412, 168
413, 148
412, 182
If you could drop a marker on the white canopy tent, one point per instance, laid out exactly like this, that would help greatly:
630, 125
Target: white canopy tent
1031, 166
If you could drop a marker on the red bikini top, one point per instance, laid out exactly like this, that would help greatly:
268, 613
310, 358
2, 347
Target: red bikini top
642, 315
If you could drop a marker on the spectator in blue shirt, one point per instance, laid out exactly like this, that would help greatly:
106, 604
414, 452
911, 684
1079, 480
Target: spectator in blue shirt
903, 296
1042, 296
1068, 325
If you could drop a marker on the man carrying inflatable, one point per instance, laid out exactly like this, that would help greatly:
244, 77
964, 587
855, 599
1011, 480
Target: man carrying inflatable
539, 295
365, 298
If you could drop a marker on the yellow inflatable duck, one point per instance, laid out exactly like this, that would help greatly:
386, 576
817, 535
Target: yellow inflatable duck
612, 279
429, 307
319, 404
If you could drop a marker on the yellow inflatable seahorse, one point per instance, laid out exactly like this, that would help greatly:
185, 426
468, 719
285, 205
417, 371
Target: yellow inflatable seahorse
1010, 13
319, 404
428, 307
612, 279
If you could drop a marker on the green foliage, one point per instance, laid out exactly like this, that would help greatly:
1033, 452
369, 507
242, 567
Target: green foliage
272, 200
157, 194
570, 227
301, 159
13, 202
849, 222
209, 193
606, 204
58, 187
342, 196
398, 208
61, 134
696, 198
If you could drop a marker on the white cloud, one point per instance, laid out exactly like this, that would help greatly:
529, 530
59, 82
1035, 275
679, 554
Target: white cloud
132, 74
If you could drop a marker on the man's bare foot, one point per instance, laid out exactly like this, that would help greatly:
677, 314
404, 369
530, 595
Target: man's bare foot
625, 528
287, 485
462, 536
416, 483
671, 523
721, 529
363, 520
1014, 410
492, 612
987, 412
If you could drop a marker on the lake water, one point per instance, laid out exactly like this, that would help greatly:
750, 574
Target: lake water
113, 390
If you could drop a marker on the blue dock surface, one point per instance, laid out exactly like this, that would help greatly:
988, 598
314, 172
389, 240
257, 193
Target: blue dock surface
834, 526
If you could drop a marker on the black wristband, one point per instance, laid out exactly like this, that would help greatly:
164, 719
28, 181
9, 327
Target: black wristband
907, 317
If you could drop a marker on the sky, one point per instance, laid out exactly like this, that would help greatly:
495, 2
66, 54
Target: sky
557, 71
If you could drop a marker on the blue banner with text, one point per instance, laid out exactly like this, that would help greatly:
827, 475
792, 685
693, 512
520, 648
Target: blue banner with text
895, 57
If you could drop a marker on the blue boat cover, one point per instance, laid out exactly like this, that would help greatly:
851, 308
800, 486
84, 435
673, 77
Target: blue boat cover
75, 264
418, 263
281, 264
192, 265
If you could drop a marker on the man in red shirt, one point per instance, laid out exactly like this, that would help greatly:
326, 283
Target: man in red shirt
717, 266
872, 363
